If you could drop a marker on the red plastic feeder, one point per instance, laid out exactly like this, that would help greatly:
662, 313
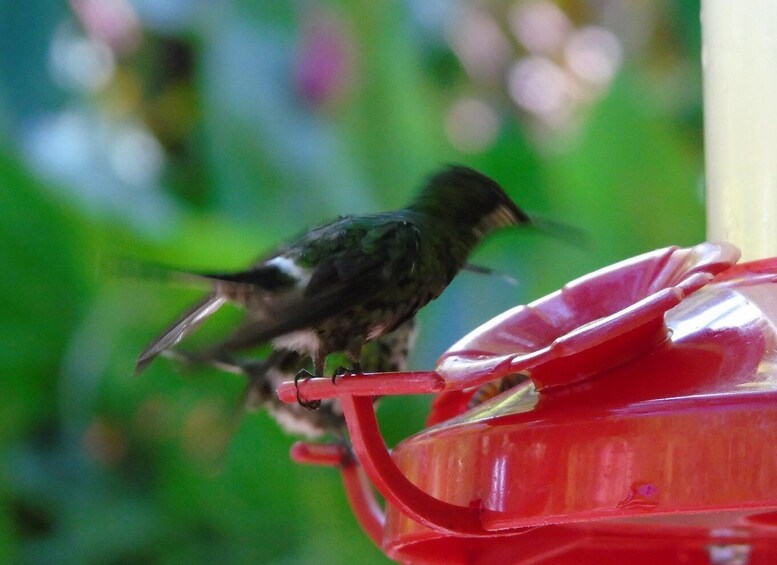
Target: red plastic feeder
648, 431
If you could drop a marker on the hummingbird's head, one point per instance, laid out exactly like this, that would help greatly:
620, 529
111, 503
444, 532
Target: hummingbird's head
468, 200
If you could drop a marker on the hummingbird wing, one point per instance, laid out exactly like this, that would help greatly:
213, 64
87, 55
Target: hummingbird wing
183, 326
352, 264
267, 277
340, 264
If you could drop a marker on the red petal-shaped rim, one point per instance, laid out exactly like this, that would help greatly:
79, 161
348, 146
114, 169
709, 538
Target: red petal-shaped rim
589, 311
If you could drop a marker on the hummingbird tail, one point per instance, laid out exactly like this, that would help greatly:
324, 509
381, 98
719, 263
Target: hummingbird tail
180, 329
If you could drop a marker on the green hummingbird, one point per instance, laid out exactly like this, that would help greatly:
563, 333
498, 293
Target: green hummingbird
353, 280
388, 353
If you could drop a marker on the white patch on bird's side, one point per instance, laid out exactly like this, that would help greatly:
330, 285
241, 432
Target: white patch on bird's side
289, 267
301, 341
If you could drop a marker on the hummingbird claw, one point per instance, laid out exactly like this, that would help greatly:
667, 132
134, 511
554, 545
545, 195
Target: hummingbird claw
339, 372
307, 404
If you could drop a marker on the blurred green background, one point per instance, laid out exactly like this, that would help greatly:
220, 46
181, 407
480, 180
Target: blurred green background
198, 133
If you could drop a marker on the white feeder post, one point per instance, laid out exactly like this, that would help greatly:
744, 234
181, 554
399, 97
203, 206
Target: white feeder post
739, 58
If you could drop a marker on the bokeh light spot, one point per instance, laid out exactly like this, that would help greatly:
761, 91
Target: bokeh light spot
471, 125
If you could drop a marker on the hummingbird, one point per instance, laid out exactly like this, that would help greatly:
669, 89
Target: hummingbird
388, 353
349, 282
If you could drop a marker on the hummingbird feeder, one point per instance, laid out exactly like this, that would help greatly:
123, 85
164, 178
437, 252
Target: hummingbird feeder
645, 432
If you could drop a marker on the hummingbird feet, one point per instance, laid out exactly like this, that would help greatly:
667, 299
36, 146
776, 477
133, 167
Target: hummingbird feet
307, 404
340, 371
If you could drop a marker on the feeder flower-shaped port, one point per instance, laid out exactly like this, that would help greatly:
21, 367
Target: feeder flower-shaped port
592, 324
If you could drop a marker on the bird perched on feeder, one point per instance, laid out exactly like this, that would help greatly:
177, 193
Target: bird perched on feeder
357, 278
388, 353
